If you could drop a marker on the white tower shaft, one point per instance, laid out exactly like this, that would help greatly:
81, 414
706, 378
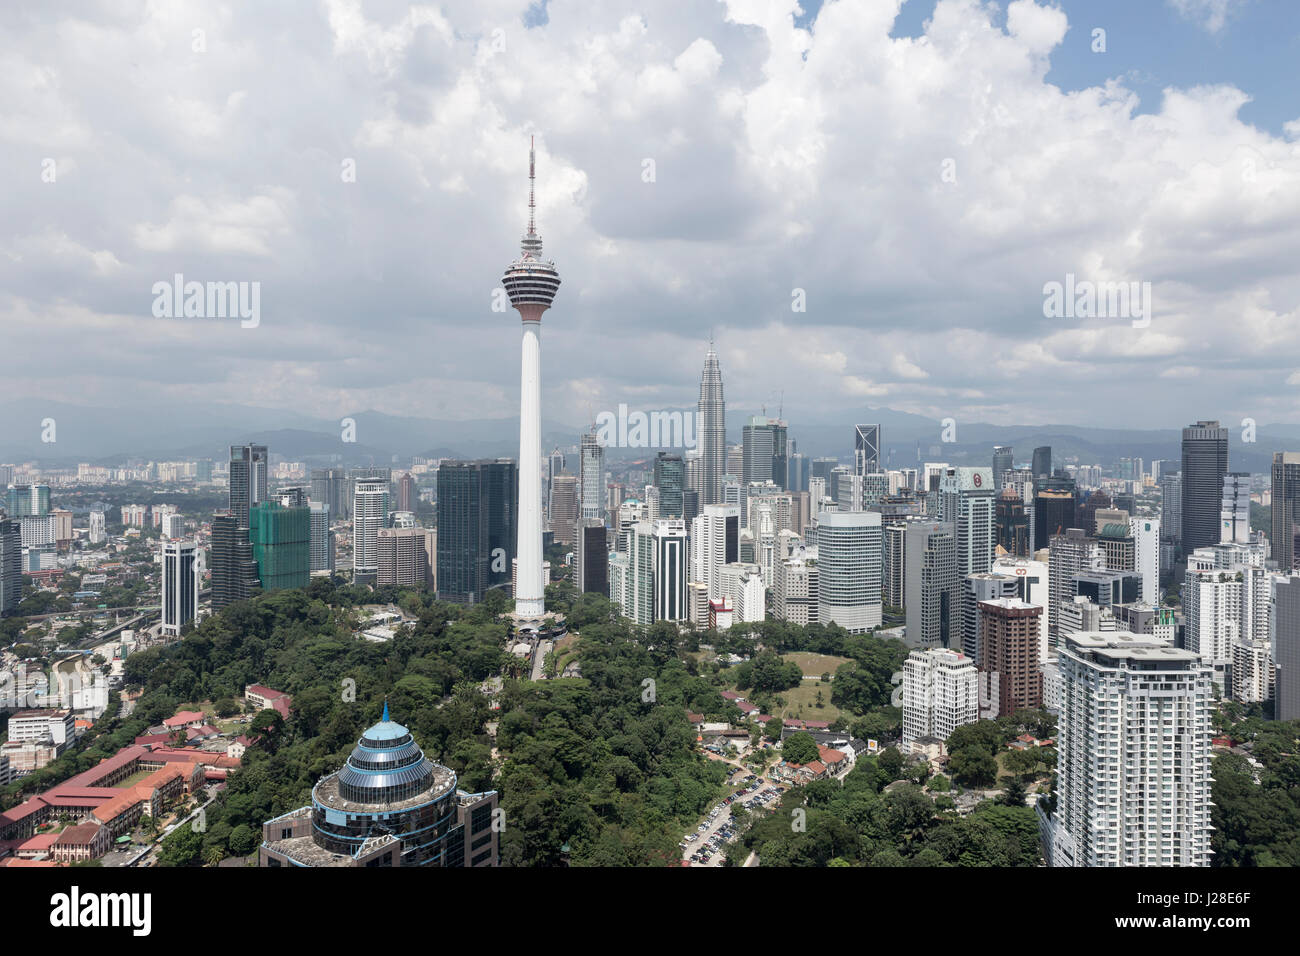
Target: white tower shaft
529, 593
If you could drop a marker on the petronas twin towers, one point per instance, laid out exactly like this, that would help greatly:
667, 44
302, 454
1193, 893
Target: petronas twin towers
711, 429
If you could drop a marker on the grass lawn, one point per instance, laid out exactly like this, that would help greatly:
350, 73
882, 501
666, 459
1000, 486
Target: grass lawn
135, 778
801, 702
815, 665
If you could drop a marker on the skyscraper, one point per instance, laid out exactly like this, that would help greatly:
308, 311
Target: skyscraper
671, 559
849, 560
966, 500
940, 693
11, 565
564, 508
1286, 508
1205, 462
476, 528
234, 570
1002, 463
180, 585
322, 538
711, 431
1070, 553
402, 557
407, 496
1009, 648
1284, 623
1133, 772
764, 450
281, 539
531, 283
715, 542
1234, 510
369, 514
867, 449
248, 480
670, 479
1012, 522
1042, 461
931, 584
24, 501
591, 557
330, 486
591, 457
1054, 509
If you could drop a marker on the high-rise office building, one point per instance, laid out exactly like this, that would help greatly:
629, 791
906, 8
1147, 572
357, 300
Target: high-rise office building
1285, 508
764, 451
670, 479
180, 585
1205, 462
11, 565
711, 431
1070, 553
1133, 771
248, 480
231, 561
671, 558
591, 457
795, 590
638, 594
1171, 505
389, 806
322, 538
849, 558
1002, 463
370, 506
1146, 556
1284, 625
715, 541
966, 501
331, 486
940, 693
591, 557
402, 558
1234, 510
931, 585
1054, 509
554, 467
1012, 522
867, 449
407, 496
564, 508
476, 528
797, 471
1009, 648
281, 539
24, 501
1032, 588
1042, 461
531, 282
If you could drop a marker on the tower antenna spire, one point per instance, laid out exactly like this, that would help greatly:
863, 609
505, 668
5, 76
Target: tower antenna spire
532, 178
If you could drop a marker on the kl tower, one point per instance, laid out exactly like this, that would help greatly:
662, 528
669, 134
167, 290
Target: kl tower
531, 282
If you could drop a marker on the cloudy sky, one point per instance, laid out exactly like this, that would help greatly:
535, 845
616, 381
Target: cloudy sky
918, 170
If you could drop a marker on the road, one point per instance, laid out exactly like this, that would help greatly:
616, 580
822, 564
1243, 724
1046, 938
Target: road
539, 657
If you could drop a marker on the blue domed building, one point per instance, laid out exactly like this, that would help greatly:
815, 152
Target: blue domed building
390, 805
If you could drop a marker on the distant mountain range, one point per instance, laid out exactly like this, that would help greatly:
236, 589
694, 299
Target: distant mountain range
112, 435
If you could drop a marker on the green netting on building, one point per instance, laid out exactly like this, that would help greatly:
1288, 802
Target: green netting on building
281, 540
